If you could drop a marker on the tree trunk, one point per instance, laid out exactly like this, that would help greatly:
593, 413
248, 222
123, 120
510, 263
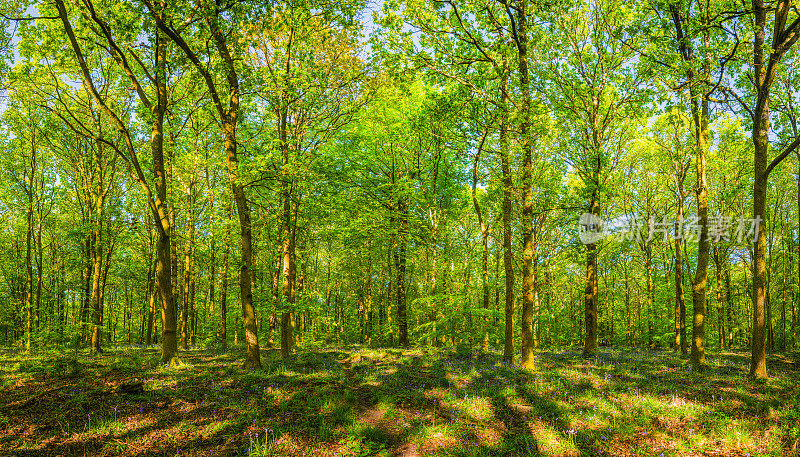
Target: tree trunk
252, 355
484, 244
680, 300
528, 280
758, 362
151, 299
400, 270
590, 293
628, 313
648, 266
700, 116
368, 298
28, 256
223, 299
764, 75
508, 190
289, 267
720, 301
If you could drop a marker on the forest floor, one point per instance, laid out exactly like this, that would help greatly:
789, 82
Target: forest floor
364, 402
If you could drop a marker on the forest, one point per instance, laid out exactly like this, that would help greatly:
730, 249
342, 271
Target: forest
405, 227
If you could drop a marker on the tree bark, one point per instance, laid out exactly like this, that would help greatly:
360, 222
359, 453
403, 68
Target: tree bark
528, 280
157, 202
720, 300
400, 270
764, 75
590, 292
508, 190
223, 299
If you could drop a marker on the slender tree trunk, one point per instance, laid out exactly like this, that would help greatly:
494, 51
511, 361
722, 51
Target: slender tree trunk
28, 257
97, 274
151, 294
400, 270
389, 289
770, 336
87, 290
631, 329
797, 277
720, 299
276, 291
212, 263
252, 356
758, 362
648, 266
528, 280
699, 288
368, 298
508, 190
434, 315
784, 37
39, 264
484, 245
764, 76
223, 299
187, 275
680, 300
164, 245
783, 297
590, 292
289, 274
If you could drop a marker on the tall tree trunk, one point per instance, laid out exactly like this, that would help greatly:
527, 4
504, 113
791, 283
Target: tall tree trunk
699, 111
590, 292
630, 328
528, 280
758, 362
700, 285
434, 315
276, 289
212, 263
764, 75
228, 114
229, 119
648, 266
87, 289
289, 268
164, 245
223, 299
389, 289
97, 261
718, 262
183, 323
591, 295
29, 190
680, 300
484, 243
508, 190
368, 298
400, 270
768, 299
797, 277
151, 299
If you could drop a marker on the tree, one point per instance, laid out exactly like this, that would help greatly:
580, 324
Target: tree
156, 201
228, 112
595, 90
766, 62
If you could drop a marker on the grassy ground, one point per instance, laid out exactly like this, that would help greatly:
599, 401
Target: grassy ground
363, 402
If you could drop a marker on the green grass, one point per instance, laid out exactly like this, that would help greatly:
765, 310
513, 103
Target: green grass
366, 402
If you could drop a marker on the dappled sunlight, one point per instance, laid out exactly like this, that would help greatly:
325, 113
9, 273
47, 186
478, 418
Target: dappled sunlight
389, 402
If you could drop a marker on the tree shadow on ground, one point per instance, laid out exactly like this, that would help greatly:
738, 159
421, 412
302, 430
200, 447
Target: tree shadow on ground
374, 402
